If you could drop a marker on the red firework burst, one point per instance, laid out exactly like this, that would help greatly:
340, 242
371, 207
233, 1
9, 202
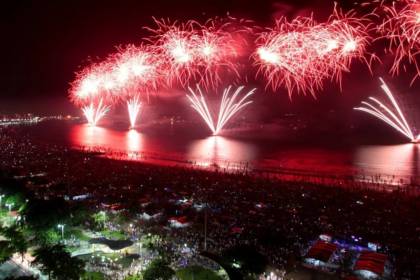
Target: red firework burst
135, 68
87, 86
302, 53
123, 76
193, 51
402, 27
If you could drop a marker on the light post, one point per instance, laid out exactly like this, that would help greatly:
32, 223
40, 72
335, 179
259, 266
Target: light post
1, 210
62, 230
10, 209
103, 212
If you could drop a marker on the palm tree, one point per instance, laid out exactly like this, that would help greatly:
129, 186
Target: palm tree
194, 271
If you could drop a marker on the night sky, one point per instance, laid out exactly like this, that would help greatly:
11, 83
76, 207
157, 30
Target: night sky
45, 42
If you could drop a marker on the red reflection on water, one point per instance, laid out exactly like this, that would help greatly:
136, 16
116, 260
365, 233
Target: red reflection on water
399, 160
86, 135
133, 140
221, 150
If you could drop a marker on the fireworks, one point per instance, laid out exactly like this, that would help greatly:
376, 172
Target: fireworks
135, 69
302, 53
133, 106
92, 115
85, 88
397, 121
92, 86
227, 108
121, 77
193, 51
402, 28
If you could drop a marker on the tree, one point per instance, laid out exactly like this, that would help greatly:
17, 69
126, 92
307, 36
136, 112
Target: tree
245, 259
158, 269
121, 218
80, 216
48, 237
6, 251
100, 218
17, 240
43, 215
46, 257
57, 262
17, 199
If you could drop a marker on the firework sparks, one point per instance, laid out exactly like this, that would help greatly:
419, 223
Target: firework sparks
86, 86
397, 121
136, 67
140, 72
193, 51
133, 106
94, 115
227, 108
402, 28
302, 53
121, 77
92, 86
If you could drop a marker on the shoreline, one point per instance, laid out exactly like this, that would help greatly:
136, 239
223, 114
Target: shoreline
287, 166
286, 174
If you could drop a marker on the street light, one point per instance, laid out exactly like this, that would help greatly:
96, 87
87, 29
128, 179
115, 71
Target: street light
140, 247
62, 230
10, 210
1, 210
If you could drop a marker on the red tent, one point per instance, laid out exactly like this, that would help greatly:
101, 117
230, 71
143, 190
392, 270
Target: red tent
371, 261
182, 220
236, 230
321, 251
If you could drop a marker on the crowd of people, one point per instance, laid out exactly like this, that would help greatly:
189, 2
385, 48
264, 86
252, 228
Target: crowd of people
278, 215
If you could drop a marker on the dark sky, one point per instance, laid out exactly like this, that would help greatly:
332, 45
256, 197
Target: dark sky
45, 42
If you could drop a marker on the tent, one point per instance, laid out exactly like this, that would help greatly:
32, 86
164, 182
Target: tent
372, 262
236, 230
321, 251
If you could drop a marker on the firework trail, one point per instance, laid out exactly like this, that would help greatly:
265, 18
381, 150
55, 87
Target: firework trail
93, 85
397, 121
193, 51
302, 53
94, 115
133, 106
227, 108
139, 71
402, 27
